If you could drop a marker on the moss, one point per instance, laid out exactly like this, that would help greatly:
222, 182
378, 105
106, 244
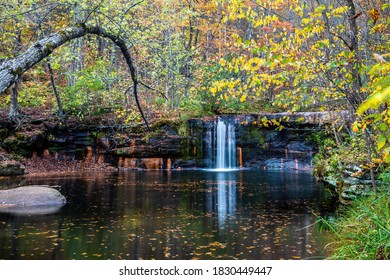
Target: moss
49, 48
63, 33
28, 136
254, 134
3, 134
81, 24
13, 144
11, 141
17, 71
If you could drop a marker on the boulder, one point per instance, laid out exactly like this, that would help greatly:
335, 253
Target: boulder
31, 200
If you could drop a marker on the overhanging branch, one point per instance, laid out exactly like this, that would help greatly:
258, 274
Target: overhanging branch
11, 69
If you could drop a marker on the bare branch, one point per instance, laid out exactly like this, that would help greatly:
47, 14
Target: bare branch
151, 88
132, 6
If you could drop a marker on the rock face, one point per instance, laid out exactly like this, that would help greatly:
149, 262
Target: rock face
260, 144
31, 196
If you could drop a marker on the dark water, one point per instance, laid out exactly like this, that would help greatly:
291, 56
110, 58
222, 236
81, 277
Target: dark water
173, 215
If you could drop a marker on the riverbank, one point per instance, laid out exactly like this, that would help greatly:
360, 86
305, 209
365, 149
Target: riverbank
362, 230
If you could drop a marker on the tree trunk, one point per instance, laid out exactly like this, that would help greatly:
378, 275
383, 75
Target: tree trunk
76, 46
54, 86
356, 97
14, 105
11, 69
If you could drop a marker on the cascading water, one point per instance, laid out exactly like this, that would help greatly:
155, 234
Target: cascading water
225, 155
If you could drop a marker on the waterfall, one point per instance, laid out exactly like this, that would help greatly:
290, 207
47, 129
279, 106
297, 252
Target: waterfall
225, 144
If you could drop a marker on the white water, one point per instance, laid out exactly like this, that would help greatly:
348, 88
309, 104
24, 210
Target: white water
226, 146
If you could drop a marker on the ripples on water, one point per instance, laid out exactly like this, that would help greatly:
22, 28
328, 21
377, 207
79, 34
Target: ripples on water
173, 215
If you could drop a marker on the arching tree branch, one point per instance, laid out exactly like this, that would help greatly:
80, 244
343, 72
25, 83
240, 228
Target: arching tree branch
11, 69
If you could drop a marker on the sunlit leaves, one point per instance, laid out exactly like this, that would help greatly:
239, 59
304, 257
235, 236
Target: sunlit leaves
374, 101
381, 86
374, 15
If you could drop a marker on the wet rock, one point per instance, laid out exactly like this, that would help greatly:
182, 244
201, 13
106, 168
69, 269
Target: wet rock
349, 188
31, 199
287, 164
10, 167
353, 191
184, 164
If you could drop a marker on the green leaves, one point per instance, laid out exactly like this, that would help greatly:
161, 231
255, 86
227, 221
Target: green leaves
380, 83
381, 142
374, 101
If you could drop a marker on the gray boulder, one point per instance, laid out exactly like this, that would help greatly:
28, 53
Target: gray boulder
31, 200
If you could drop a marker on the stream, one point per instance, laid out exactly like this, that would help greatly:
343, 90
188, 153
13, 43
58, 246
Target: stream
188, 214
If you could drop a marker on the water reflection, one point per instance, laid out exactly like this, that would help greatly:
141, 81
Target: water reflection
173, 215
225, 203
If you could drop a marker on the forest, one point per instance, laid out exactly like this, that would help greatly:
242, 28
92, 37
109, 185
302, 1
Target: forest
138, 63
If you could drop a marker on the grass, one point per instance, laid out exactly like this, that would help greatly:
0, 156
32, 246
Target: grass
362, 232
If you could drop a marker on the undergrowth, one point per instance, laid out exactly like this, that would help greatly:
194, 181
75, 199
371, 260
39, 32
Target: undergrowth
362, 232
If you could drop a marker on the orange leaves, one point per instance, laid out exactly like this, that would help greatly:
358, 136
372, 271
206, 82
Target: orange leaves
374, 14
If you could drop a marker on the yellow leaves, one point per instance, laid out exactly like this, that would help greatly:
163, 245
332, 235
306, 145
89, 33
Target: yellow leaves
320, 8
380, 78
374, 14
253, 64
299, 10
243, 98
340, 11
355, 127
377, 160
374, 101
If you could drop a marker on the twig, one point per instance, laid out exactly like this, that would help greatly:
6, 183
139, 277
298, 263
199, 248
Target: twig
152, 88
92, 11
132, 6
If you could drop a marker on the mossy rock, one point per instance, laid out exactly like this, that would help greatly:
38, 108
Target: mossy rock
29, 138
9, 166
11, 143
11, 169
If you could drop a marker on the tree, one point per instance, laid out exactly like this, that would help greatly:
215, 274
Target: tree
299, 55
11, 70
